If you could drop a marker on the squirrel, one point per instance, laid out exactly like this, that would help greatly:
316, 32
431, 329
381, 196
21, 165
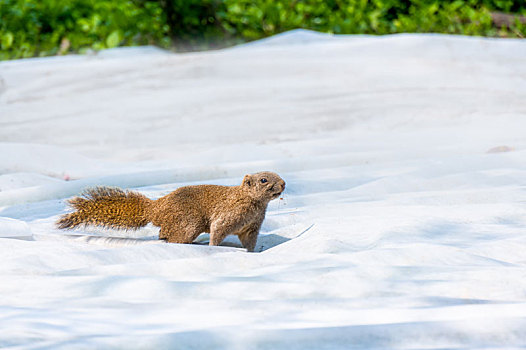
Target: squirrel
183, 214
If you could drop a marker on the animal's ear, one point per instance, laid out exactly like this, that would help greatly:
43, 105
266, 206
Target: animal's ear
247, 180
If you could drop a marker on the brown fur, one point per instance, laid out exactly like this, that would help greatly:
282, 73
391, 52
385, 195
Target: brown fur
185, 213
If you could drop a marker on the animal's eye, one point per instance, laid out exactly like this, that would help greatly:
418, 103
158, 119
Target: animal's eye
263, 181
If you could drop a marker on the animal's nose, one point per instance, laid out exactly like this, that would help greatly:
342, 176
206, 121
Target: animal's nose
283, 185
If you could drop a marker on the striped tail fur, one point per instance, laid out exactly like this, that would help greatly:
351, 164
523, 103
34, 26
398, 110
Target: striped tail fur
108, 207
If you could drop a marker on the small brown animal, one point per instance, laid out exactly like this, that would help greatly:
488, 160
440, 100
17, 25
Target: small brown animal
185, 213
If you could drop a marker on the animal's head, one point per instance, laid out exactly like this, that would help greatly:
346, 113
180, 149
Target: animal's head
264, 185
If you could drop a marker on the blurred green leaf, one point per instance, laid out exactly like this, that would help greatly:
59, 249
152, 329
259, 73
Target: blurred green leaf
113, 39
7, 40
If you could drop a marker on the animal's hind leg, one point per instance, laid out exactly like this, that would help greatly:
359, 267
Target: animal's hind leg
177, 234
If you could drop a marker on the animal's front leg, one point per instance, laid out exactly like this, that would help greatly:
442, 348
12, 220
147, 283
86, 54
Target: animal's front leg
249, 236
220, 229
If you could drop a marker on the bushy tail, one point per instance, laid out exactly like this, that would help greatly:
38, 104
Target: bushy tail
108, 207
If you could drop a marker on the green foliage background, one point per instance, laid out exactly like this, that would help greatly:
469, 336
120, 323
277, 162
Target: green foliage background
48, 27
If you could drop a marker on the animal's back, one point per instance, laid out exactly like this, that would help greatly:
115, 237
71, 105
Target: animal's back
199, 201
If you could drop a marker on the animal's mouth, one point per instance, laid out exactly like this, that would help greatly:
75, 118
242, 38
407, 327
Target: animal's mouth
276, 190
276, 195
